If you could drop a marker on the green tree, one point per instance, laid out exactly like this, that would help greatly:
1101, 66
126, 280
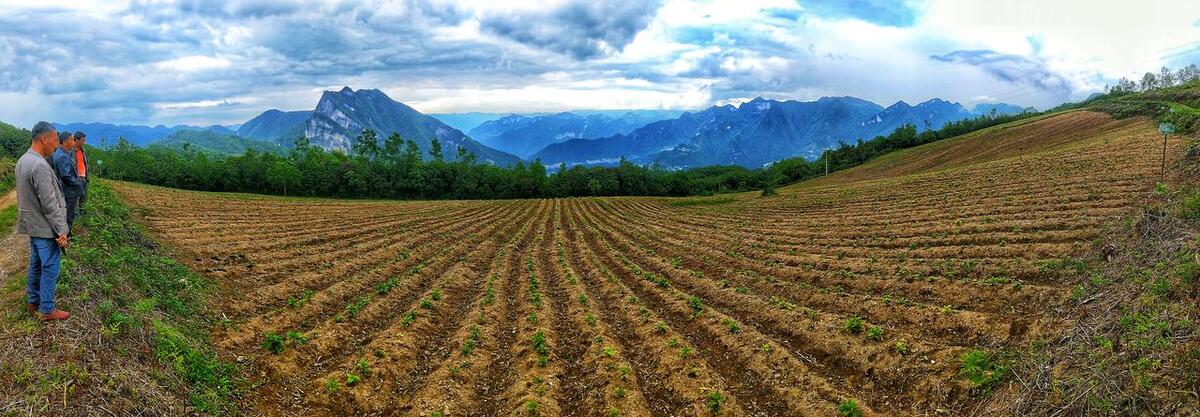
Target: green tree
435, 149
366, 144
283, 174
593, 186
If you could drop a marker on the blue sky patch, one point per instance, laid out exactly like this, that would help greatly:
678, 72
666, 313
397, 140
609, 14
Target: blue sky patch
881, 12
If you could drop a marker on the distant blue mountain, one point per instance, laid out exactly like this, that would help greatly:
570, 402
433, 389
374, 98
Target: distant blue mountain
216, 142
99, 134
755, 133
984, 109
467, 121
275, 126
931, 114
525, 135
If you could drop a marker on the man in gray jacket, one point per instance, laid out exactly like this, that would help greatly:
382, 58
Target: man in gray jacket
42, 214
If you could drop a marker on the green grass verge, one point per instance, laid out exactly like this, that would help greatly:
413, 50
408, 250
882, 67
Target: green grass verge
8, 217
138, 289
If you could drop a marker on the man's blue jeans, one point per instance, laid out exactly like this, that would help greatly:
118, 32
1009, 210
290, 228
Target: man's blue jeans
44, 257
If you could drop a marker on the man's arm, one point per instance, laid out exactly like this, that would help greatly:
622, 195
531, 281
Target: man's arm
51, 200
63, 167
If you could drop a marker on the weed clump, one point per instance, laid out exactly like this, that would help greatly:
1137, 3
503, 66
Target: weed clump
540, 346
980, 368
273, 343
855, 325
849, 408
715, 400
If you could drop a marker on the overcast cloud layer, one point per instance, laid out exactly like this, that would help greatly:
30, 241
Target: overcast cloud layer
208, 62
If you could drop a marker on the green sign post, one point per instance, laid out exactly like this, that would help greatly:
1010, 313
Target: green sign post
1165, 129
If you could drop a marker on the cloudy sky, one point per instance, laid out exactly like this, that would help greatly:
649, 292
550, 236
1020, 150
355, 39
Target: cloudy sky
206, 62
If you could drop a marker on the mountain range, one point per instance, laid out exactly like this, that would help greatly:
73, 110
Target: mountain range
215, 142
757, 132
340, 116
752, 134
104, 133
276, 126
525, 135
467, 122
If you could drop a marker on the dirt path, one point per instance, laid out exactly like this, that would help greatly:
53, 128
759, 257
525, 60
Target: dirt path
14, 249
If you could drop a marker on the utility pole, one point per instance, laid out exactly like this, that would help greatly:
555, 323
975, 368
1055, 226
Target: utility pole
826, 162
1166, 129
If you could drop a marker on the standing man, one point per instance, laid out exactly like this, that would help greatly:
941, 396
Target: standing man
81, 166
64, 165
42, 214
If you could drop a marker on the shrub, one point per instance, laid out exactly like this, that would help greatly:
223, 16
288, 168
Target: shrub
732, 325
875, 332
849, 408
273, 343
472, 339
296, 338
364, 367
769, 190
696, 305
685, 351
1188, 270
715, 399
981, 370
408, 318
386, 286
357, 306
854, 324
1161, 189
539, 346
1189, 206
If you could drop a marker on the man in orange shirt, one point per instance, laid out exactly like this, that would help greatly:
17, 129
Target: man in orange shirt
81, 166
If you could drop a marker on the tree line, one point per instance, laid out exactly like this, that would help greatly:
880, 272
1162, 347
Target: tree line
1151, 81
393, 168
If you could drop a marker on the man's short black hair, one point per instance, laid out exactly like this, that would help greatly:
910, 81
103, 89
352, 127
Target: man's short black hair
41, 128
63, 137
80, 135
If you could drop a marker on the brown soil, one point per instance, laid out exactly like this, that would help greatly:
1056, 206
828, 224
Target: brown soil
641, 307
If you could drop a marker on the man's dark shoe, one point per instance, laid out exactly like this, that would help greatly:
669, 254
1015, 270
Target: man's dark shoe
56, 315
31, 308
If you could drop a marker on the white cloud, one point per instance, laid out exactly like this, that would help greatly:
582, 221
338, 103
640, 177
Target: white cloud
1113, 38
193, 63
550, 98
165, 61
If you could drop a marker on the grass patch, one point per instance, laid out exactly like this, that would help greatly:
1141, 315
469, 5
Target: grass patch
114, 268
8, 217
982, 370
849, 408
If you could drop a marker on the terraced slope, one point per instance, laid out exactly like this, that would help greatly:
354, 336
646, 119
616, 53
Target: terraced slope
869, 285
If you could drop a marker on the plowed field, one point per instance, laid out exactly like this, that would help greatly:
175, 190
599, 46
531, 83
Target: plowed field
737, 305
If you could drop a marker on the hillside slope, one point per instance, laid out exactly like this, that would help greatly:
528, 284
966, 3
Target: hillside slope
217, 143
900, 290
1018, 138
